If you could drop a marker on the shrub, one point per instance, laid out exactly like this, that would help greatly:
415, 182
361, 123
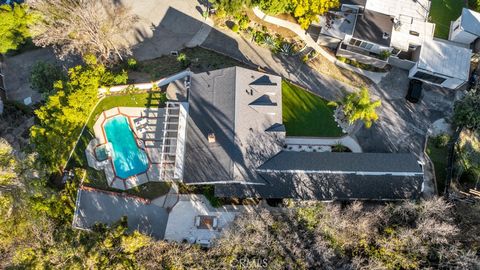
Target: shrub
441, 140
385, 54
340, 148
342, 59
132, 64
221, 13
305, 58
44, 75
243, 22
183, 59
235, 28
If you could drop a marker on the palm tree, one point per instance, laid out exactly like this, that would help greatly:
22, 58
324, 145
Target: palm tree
359, 106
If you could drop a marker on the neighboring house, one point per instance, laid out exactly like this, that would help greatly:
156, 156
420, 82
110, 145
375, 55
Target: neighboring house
397, 32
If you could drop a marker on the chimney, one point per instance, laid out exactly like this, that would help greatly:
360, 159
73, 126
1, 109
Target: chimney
211, 138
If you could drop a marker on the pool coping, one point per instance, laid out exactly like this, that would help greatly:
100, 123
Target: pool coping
129, 113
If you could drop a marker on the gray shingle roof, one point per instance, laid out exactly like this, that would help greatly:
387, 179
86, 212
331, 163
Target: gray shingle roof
371, 25
326, 187
343, 162
237, 105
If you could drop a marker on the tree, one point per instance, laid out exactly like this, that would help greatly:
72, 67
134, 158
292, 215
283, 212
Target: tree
44, 75
275, 6
15, 26
467, 110
307, 11
359, 106
84, 27
64, 113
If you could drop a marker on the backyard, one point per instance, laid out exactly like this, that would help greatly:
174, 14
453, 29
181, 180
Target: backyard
97, 179
306, 114
442, 12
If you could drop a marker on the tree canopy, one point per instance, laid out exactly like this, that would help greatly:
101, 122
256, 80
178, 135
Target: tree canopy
84, 27
467, 110
65, 112
15, 25
359, 106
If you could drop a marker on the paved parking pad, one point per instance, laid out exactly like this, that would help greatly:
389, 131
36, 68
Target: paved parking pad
101, 207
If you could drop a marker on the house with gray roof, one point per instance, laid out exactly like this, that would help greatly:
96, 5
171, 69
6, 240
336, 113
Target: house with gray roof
235, 137
234, 125
398, 33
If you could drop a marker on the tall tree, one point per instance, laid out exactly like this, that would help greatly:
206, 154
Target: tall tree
14, 26
63, 115
84, 27
359, 106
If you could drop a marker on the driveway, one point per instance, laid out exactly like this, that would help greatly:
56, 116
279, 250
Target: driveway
102, 207
402, 126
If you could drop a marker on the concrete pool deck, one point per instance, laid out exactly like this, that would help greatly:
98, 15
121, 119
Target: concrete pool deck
148, 140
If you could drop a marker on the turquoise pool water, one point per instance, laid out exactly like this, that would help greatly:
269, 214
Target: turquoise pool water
128, 159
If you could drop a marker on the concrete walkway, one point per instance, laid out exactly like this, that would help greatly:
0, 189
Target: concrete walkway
345, 140
374, 76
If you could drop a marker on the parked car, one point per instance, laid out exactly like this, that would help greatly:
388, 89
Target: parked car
414, 91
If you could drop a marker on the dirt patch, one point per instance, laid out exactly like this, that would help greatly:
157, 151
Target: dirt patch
284, 32
322, 65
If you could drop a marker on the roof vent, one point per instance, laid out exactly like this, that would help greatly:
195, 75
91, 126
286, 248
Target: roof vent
211, 138
386, 35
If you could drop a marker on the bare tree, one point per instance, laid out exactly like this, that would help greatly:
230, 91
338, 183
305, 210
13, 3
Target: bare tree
84, 27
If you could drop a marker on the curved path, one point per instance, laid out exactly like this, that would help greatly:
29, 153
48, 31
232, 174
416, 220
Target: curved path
376, 77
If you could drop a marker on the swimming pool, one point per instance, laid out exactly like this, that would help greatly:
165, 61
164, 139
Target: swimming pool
128, 159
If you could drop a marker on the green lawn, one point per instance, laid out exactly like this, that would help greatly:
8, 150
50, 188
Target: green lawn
148, 99
439, 159
305, 114
442, 12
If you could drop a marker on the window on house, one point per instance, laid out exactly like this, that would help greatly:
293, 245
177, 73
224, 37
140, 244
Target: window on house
429, 77
361, 44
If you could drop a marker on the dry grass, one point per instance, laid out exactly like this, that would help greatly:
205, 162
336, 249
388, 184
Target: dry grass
284, 32
322, 65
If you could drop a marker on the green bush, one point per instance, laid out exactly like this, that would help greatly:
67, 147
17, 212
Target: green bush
385, 54
183, 59
132, 64
243, 22
441, 140
221, 13
341, 59
44, 75
235, 28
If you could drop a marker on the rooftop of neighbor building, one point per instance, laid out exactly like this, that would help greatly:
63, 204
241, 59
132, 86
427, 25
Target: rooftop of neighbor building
234, 125
446, 58
374, 27
341, 22
411, 32
412, 8
471, 21
353, 2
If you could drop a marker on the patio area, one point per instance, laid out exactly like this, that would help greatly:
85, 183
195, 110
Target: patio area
194, 220
155, 131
